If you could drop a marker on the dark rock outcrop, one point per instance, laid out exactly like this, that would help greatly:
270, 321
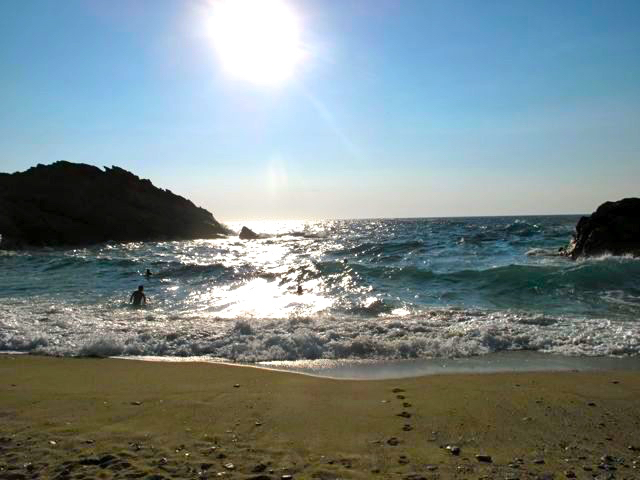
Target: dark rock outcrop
248, 234
613, 228
67, 204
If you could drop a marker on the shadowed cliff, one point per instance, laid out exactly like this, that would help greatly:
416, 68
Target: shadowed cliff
66, 204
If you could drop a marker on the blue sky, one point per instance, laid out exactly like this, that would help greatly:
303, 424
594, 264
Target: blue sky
400, 108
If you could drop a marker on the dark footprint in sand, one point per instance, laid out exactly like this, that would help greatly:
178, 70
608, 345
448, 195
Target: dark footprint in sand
397, 390
406, 405
407, 427
404, 414
400, 397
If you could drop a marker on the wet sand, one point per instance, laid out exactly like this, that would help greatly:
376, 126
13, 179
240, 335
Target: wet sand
108, 418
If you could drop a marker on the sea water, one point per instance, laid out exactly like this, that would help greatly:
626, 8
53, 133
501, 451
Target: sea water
382, 289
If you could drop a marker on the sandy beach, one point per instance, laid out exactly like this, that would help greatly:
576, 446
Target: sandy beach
109, 418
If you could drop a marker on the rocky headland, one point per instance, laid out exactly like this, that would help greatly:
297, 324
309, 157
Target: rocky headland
614, 228
70, 204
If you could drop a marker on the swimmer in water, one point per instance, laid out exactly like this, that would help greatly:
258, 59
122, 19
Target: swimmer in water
148, 273
138, 297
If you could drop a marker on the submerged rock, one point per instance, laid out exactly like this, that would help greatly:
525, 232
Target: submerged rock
248, 234
69, 204
613, 228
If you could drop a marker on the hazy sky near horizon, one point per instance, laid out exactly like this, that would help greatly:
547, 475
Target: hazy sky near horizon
395, 108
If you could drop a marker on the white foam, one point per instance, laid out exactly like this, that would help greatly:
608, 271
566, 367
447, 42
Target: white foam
439, 333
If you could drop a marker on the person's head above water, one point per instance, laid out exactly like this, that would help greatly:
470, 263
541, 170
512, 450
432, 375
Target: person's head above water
140, 288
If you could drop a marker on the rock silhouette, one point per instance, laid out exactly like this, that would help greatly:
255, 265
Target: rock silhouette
613, 228
248, 234
69, 204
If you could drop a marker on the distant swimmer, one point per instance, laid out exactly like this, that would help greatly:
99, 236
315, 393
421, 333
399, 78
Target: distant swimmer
299, 291
138, 297
148, 273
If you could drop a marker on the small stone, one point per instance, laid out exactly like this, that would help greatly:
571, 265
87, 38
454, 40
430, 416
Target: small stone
397, 390
484, 458
53, 443
137, 404
163, 461
454, 449
591, 404
229, 466
237, 385
258, 424
538, 461
286, 477
106, 459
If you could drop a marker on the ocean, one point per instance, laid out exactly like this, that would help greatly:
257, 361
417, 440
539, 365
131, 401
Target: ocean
380, 289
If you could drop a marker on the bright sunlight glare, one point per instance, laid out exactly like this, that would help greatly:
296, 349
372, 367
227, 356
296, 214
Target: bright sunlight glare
256, 40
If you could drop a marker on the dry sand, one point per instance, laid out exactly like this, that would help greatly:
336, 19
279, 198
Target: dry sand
107, 418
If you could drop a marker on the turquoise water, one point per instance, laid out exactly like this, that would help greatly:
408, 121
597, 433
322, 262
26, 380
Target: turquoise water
372, 289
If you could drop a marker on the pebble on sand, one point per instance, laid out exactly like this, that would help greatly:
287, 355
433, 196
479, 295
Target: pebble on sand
484, 458
454, 449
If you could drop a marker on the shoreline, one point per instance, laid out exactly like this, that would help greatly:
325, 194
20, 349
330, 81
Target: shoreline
112, 418
518, 361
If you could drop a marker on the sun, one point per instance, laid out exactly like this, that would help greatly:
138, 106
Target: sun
256, 40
